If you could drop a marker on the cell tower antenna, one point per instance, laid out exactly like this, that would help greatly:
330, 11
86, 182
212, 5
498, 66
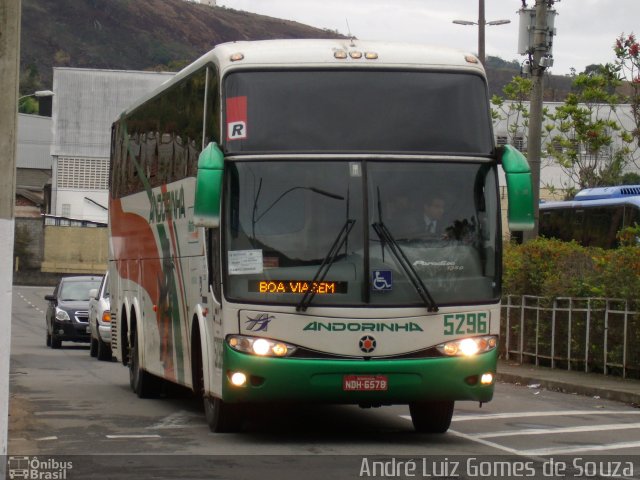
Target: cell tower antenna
349, 34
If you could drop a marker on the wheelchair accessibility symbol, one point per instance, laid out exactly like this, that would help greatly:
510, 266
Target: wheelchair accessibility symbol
381, 280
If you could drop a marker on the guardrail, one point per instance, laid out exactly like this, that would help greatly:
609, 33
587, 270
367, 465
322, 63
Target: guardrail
591, 334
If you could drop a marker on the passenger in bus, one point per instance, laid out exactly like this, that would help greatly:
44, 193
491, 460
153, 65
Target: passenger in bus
433, 214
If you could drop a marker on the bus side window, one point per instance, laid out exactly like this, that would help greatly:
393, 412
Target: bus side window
631, 216
213, 261
601, 226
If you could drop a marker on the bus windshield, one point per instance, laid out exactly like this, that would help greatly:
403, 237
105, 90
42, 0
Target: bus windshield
356, 111
283, 219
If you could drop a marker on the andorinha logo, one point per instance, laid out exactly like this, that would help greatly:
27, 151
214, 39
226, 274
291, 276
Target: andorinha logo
34, 468
167, 206
362, 327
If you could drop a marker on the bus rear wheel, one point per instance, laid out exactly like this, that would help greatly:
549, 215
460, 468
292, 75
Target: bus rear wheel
431, 417
222, 417
142, 383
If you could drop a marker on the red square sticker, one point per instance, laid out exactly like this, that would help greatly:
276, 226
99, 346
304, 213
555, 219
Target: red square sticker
236, 118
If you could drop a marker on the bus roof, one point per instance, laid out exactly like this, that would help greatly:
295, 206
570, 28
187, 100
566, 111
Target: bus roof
607, 192
591, 197
323, 52
308, 53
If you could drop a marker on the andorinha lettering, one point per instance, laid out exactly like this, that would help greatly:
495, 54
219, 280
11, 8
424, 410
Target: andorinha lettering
166, 206
362, 327
297, 286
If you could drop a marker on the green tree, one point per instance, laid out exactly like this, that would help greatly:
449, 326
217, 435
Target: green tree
513, 109
585, 136
28, 105
626, 67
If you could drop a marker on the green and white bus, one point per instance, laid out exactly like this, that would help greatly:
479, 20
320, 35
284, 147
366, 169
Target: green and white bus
267, 231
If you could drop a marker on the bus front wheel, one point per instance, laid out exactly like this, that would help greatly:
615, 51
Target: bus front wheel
431, 417
222, 417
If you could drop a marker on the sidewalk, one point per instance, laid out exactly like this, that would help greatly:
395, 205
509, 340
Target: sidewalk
570, 381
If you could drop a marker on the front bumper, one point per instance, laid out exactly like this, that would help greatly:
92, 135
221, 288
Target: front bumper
72, 331
105, 333
414, 380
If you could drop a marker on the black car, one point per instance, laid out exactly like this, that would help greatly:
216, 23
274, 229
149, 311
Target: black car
67, 316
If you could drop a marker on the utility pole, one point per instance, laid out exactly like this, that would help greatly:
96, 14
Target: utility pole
481, 26
535, 108
9, 75
482, 23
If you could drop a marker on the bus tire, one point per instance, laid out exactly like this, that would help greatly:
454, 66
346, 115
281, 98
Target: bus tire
431, 417
222, 417
142, 383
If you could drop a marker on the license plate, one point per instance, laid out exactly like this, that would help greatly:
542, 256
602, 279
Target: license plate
364, 383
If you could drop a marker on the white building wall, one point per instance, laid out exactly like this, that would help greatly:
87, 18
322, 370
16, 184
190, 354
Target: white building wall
85, 104
551, 173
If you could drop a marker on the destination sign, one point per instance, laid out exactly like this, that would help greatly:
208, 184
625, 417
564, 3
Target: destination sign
297, 286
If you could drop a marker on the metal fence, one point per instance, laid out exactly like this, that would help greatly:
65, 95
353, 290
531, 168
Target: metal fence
590, 334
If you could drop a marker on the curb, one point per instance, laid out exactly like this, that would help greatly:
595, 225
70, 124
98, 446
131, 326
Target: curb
618, 395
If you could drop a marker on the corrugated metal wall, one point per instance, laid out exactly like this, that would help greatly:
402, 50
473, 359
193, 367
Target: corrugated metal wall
86, 102
34, 142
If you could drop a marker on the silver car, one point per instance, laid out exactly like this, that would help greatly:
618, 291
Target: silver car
100, 321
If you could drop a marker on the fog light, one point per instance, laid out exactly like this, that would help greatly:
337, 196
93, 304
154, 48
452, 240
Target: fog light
486, 379
238, 379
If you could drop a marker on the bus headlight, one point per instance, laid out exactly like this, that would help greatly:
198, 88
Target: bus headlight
467, 347
260, 346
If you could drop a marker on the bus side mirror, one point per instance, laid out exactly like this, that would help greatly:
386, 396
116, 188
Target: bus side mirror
208, 187
519, 189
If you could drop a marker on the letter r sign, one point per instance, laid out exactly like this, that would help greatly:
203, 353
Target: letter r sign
236, 118
236, 130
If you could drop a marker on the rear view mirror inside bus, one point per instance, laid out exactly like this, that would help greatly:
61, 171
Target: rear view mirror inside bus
208, 187
519, 189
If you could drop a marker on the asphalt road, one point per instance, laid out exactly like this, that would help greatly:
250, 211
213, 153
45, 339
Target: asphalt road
66, 405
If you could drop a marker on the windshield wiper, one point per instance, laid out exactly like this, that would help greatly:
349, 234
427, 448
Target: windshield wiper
326, 265
385, 237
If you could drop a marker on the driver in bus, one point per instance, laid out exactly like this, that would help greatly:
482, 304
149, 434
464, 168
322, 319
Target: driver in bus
433, 214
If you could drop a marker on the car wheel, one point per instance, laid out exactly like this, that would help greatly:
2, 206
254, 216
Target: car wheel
48, 338
222, 417
104, 350
142, 383
56, 342
93, 348
431, 417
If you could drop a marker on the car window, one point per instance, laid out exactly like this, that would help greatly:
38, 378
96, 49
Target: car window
77, 290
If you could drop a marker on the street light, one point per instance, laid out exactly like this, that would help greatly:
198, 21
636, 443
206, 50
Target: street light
481, 24
38, 94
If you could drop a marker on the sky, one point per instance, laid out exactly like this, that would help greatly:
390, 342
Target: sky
585, 29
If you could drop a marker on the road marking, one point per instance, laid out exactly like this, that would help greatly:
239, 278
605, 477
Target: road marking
541, 452
42, 439
493, 416
581, 448
132, 436
561, 413
546, 431
485, 442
